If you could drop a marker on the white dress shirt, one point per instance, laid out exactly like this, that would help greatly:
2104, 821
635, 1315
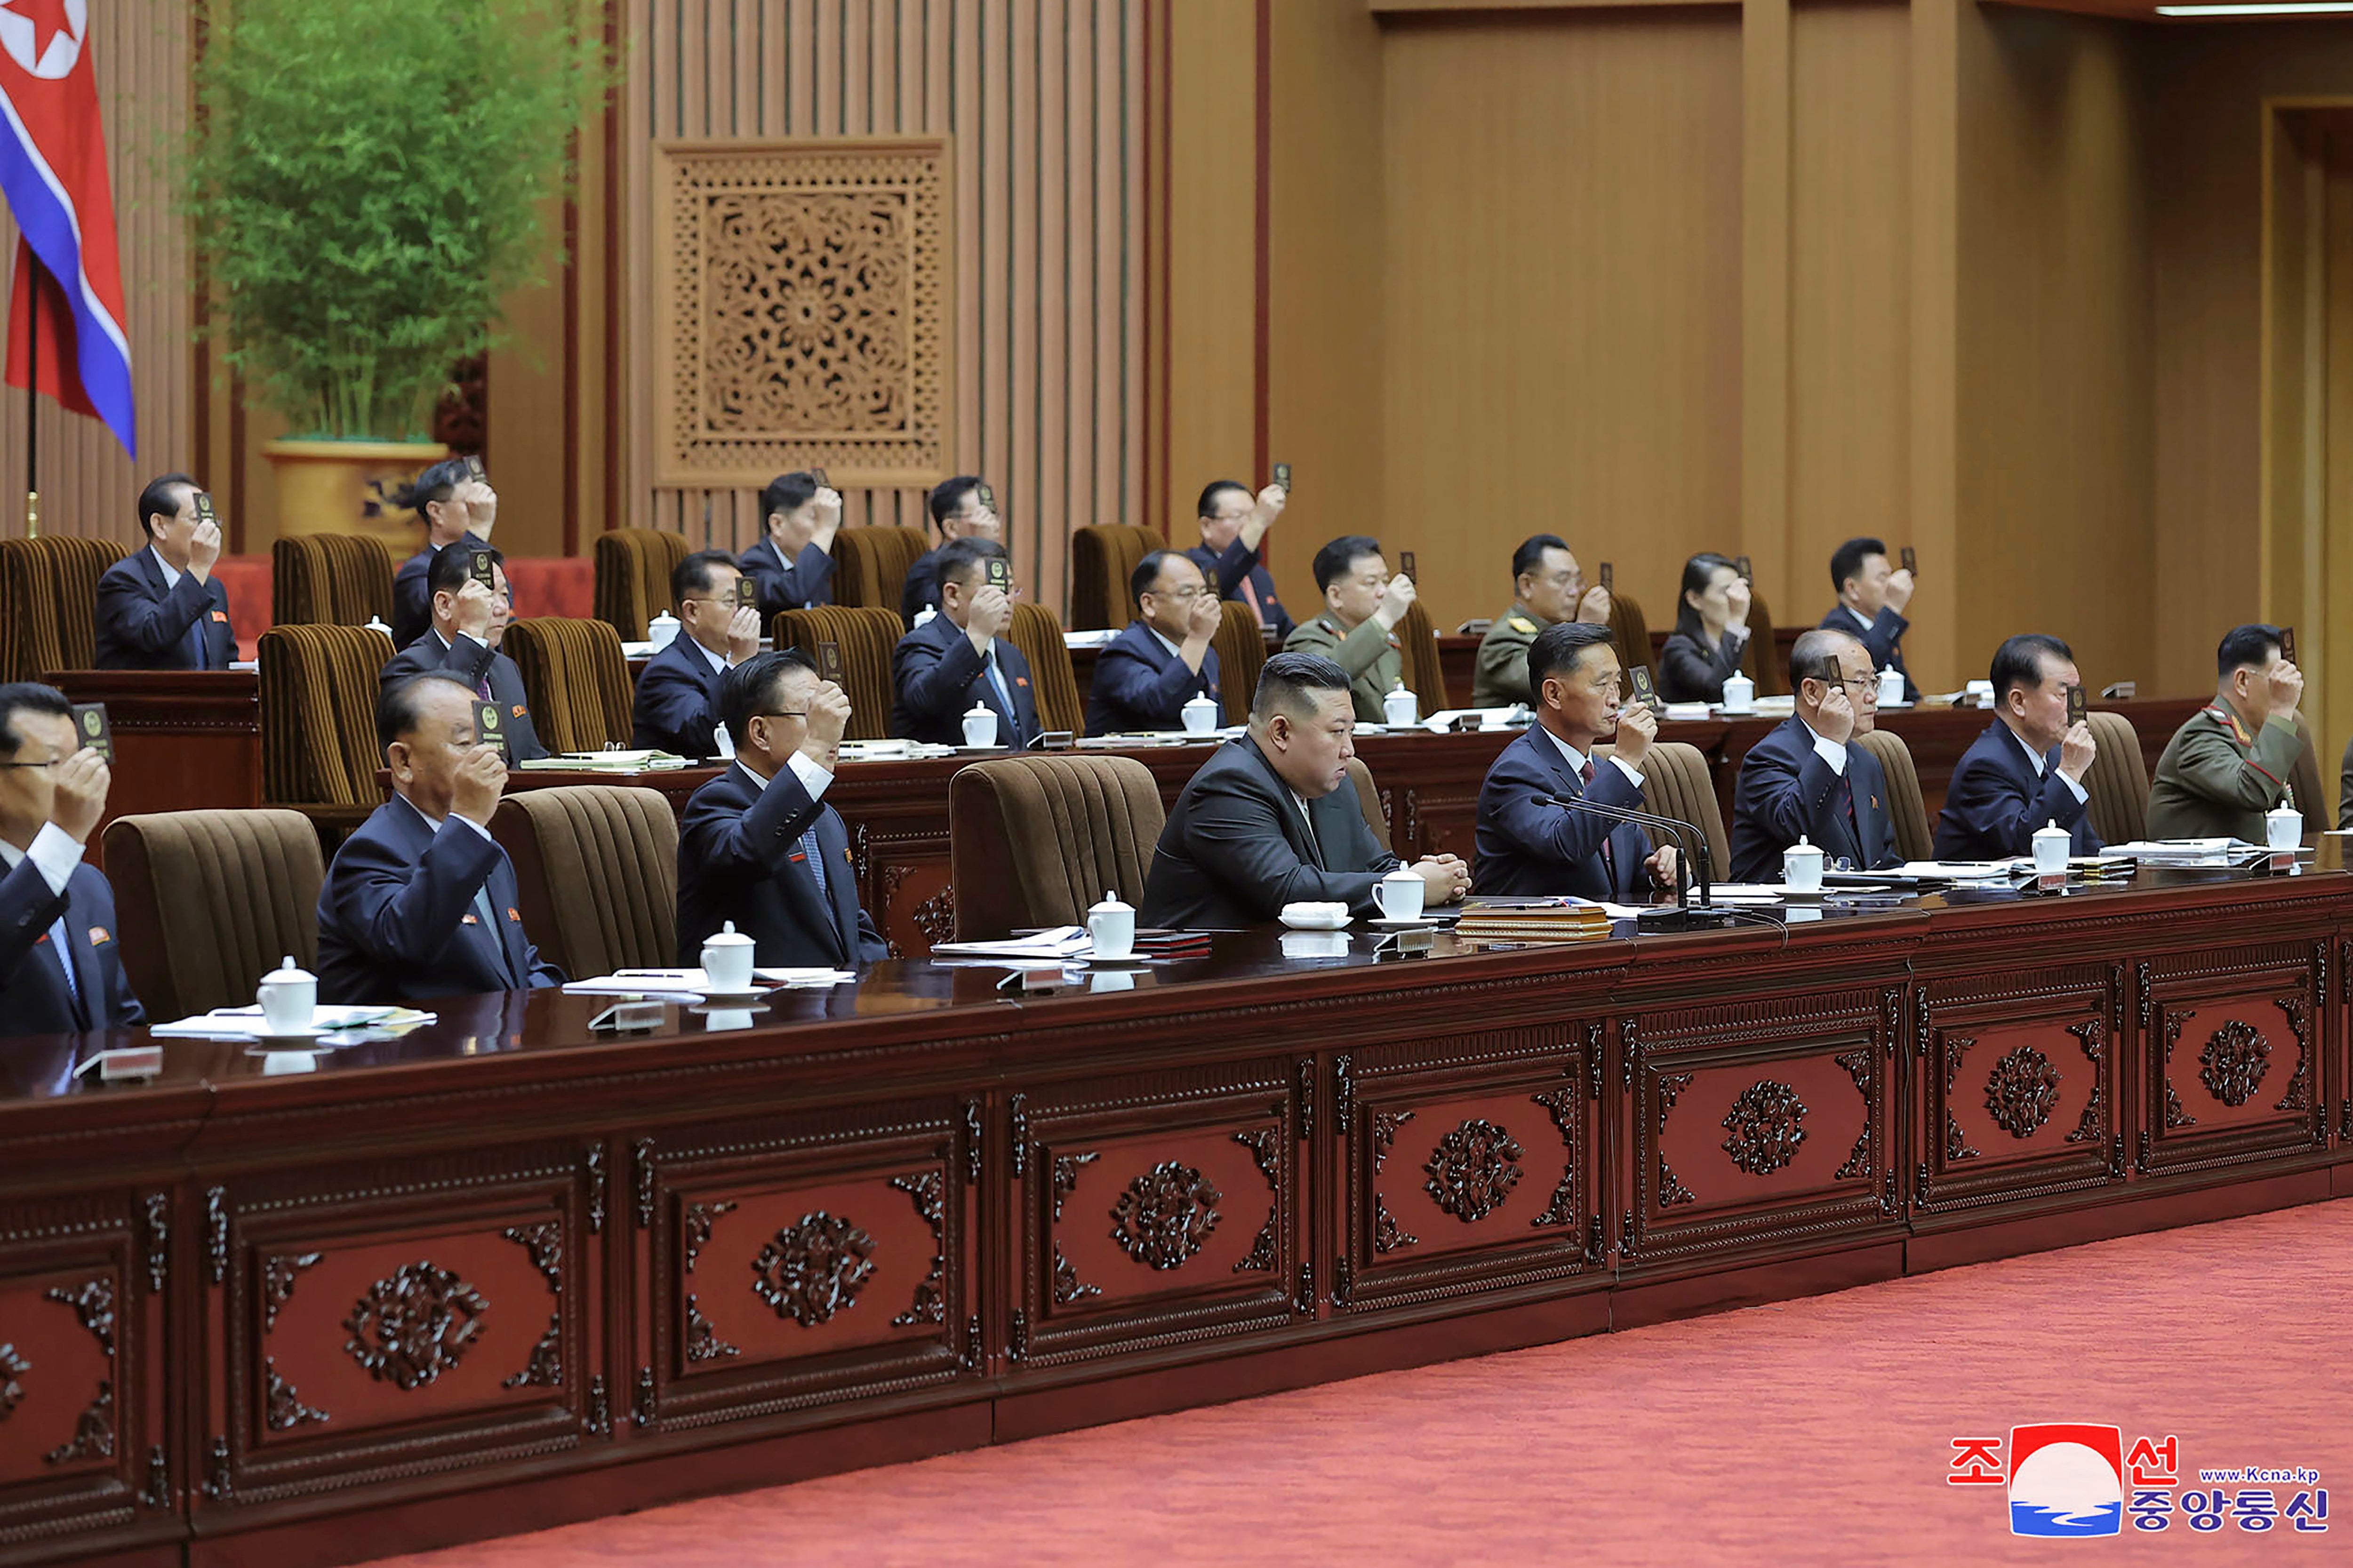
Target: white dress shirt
2036, 758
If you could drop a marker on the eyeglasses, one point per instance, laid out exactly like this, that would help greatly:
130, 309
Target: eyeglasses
779, 713
1182, 595
53, 761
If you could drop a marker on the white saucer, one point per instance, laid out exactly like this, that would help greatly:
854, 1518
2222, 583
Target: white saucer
1385, 923
312, 1040
731, 998
1783, 889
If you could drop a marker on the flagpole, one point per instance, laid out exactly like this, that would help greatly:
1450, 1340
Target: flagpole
32, 395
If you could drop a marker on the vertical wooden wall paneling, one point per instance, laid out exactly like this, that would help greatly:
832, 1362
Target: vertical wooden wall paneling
1935, 328
1765, 196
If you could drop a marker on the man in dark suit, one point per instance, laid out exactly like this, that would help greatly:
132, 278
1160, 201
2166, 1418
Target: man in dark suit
757, 845
421, 901
1807, 780
456, 508
1871, 604
2027, 769
1144, 675
1271, 820
60, 969
1233, 531
469, 623
793, 566
958, 512
960, 656
159, 608
677, 706
1530, 846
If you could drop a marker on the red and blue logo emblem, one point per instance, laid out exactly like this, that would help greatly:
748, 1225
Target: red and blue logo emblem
2066, 1478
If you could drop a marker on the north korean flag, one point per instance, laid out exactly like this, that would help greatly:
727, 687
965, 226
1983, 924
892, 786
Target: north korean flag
53, 172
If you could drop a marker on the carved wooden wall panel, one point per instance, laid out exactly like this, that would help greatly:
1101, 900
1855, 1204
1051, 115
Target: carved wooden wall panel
1157, 1210
793, 1260
1470, 1164
2230, 1058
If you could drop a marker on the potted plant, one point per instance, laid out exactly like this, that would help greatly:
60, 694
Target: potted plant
365, 182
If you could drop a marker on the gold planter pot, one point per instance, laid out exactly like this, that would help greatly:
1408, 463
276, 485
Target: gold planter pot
342, 486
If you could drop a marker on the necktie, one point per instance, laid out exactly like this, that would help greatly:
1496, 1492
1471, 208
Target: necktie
815, 855
193, 645
1249, 595
497, 933
1609, 859
65, 961
1005, 696
1853, 823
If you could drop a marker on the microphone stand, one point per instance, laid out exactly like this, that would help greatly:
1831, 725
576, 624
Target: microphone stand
1685, 915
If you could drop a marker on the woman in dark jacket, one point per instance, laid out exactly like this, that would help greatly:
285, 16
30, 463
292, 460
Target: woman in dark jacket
1711, 632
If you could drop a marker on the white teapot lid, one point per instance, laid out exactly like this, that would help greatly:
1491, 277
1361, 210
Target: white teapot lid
1201, 699
288, 972
979, 706
727, 936
1111, 904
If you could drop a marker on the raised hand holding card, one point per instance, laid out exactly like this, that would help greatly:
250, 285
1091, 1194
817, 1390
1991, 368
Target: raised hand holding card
1282, 475
97, 734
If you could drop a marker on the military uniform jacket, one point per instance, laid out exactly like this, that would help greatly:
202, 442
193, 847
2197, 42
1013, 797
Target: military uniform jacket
1502, 675
2214, 781
1373, 658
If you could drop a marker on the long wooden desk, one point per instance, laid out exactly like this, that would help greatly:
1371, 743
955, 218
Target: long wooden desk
498, 1274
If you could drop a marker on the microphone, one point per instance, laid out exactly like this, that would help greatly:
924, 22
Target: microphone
1684, 916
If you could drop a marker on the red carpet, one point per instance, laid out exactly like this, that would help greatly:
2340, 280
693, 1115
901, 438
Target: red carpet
1812, 1432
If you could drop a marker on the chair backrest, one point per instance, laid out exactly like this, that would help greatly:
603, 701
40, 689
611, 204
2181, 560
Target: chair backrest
866, 633
207, 902
1368, 795
74, 566
1103, 559
29, 612
1907, 809
1039, 635
870, 566
329, 579
575, 678
596, 866
2118, 781
633, 568
1676, 782
1760, 661
2304, 777
1036, 841
1240, 648
318, 714
1631, 632
1417, 637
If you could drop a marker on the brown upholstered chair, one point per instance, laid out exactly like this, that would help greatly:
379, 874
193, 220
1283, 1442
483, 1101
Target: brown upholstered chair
28, 612
1103, 559
1631, 632
870, 566
2118, 781
1761, 660
1240, 648
1676, 782
73, 567
1417, 637
330, 579
207, 902
318, 754
866, 633
1036, 841
575, 678
1368, 795
2304, 779
1039, 635
597, 865
1907, 809
633, 568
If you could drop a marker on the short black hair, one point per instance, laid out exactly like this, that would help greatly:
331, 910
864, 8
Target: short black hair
1815, 655
27, 697
397, 705
746, 691
2253, 644
447, 571
1285, 680
1559, 645
1147, 576
435, 483
1529, 556
948, 494
160, 498
1846, 560
1332, 561
1213, 490
958, 557
691, 577
786, 493
2018, 660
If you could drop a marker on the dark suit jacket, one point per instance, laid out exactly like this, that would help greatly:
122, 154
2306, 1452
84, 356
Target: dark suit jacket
1235, 849
740, 859
938, 676
1228, 570
411, 601
1690, 671
141, 626
1140, 685
805, 585
33, 996
397, 921
473, 662
677, 705
1884, 639
1994, 803
921, 591
1786, 789
1527, 849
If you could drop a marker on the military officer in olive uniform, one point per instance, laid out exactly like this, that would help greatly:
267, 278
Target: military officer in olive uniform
1357, 630
2229, 764
1548, 585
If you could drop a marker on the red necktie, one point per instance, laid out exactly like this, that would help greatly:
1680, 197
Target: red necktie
1249, 597
1609, 861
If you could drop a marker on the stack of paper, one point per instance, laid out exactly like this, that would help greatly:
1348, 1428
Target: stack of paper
1562, 918
247, 1024
690, 985
1057, 944
631, 762
2179, 851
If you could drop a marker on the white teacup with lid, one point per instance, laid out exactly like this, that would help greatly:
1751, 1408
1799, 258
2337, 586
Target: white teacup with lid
1891, 687
1200, 714
1111, 927
1400, 708
2284, 828
289, 997
980, 725
1739, 693
661, 630
727, 961
1399, 895
1801, 866
2050, 846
